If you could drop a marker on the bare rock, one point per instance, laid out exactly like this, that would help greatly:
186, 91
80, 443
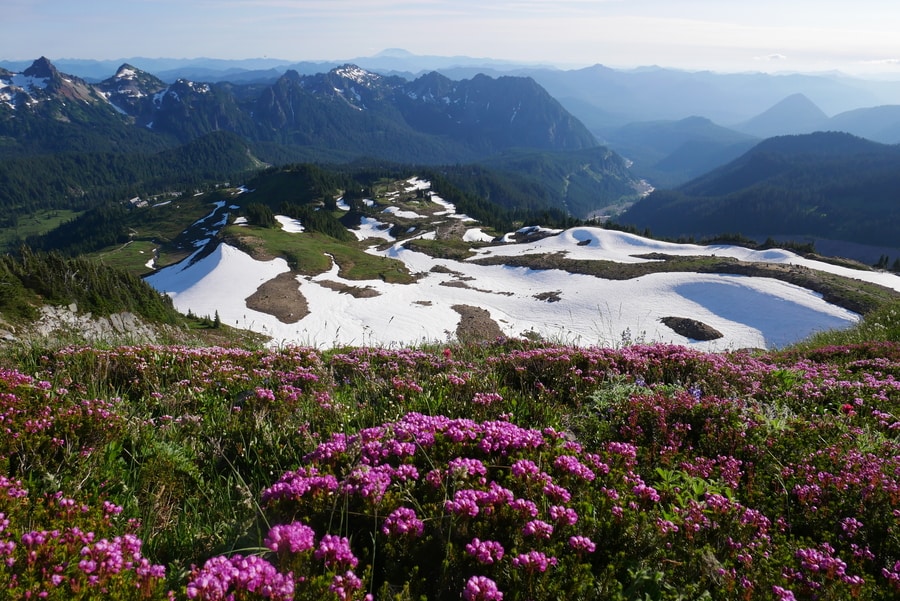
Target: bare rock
691, 328
476, 324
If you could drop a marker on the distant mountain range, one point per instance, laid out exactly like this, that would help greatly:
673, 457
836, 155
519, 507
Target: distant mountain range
598, 95
347, 112
502, 138
607, 101
797, 114
670, 153
542, 157
826, 185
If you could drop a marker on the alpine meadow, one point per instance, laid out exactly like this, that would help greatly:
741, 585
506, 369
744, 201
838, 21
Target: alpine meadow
406, 328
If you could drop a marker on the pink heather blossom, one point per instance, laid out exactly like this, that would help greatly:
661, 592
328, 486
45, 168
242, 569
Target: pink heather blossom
534, 561
464, 503
465, 467
403, 521
486, 552
525, 507
582, 544
538, 529
557, 493
335, 550
783, 594
344, 584
368, 482
645, 492
524, 467
486, 398
221, 577
481, 588
264, 394
294, 538
563, 515
571, 465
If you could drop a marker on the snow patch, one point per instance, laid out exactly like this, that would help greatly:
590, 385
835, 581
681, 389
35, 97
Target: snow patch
404, 214
476, 234
750, 312
288, 224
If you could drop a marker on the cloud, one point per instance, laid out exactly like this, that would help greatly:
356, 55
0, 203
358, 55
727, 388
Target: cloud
882, 61
770, 57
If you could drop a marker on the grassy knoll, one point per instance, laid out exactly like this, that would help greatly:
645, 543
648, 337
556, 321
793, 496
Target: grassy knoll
311, 254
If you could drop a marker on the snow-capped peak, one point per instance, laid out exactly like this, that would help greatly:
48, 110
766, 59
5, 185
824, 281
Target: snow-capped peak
126, 71
357, 75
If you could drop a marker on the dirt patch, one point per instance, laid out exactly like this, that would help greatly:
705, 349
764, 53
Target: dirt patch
354, 291
280, 297
459, 275
691, 328
476, 325
455, 284
462, 284
550, 297
449, 230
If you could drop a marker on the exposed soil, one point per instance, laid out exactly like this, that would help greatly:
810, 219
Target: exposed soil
476, 325
455, 284
354, 291
691, 328
452, 229
551, 297
280, 297
463, 284
459, 275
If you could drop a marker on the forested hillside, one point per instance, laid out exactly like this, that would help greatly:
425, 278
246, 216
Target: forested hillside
829, 185
85, 179
29, 280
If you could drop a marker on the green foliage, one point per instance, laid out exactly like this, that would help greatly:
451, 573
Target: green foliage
315, 220
35, 277
700, 465
84, 180
260, 215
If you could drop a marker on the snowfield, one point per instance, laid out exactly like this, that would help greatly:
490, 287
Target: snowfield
582, 310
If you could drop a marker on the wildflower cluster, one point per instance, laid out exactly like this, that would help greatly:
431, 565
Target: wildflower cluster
467, 478
80, 551
511, 471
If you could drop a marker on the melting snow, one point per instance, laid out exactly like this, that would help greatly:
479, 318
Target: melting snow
289, 225
476, 234
404, 214
372, 228
749, 311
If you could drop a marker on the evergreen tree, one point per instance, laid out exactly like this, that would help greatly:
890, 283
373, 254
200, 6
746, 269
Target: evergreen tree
261, 215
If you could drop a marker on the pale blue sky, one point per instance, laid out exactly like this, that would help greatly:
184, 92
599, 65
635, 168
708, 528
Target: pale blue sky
722, 35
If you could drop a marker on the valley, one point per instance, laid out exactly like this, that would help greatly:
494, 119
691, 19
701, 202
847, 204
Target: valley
423, 202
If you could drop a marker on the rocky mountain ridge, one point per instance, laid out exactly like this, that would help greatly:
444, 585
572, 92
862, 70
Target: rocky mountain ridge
347, 110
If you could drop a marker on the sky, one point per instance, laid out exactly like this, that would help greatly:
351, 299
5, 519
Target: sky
858, 37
